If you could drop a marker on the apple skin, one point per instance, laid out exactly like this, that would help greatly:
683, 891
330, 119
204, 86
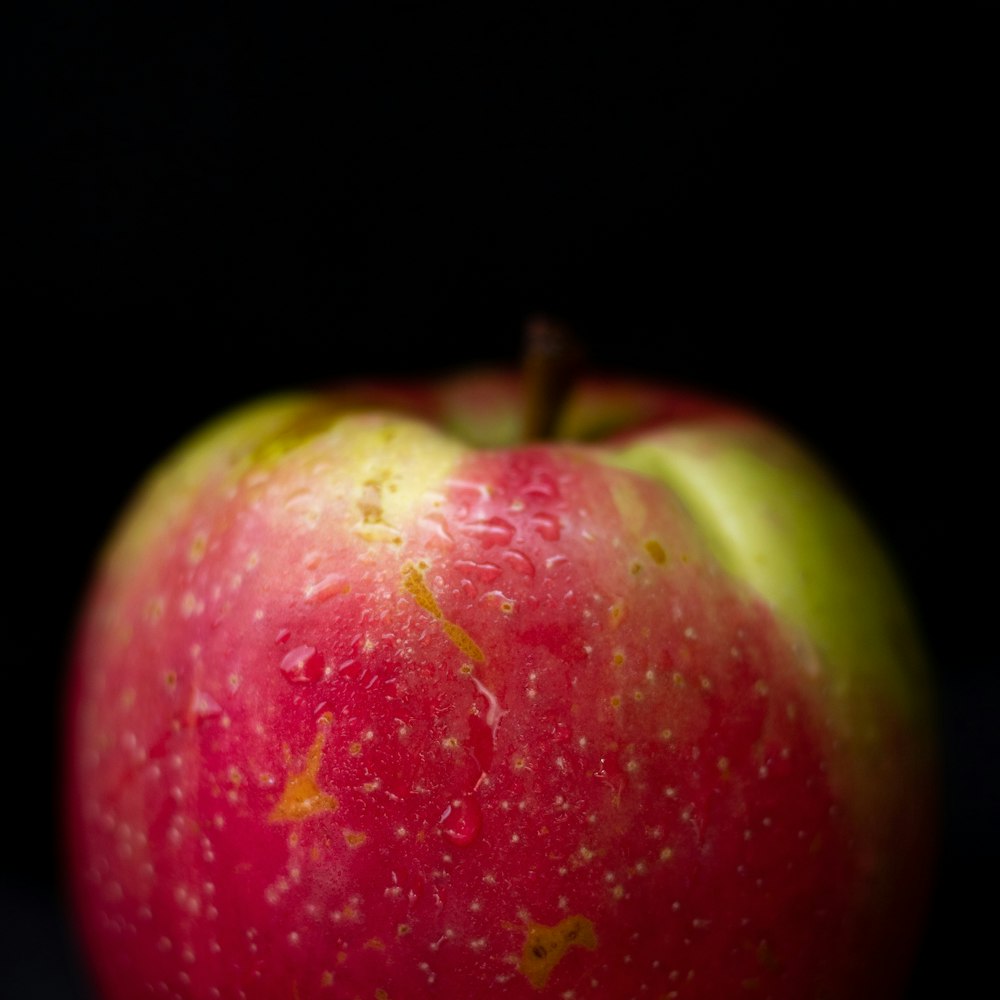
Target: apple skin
369, 700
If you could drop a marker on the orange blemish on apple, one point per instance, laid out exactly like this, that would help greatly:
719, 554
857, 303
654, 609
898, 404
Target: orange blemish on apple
544, 947
370, 502
414, 584
302, 797
656, 551
373, 526
354, 838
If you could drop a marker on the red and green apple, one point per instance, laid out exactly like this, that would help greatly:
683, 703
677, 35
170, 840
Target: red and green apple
373, 699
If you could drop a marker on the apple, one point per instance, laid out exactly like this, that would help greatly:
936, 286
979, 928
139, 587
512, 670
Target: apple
371, 698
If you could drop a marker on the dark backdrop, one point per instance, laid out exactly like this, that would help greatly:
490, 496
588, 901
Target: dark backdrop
778, 201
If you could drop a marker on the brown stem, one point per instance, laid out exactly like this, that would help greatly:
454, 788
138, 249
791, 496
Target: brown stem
552, 358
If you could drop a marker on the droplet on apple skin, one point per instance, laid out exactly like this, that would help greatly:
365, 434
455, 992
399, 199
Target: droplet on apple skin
303, 665
519, 562
462, 820
484, 572
546, 525
490, 531
205, 707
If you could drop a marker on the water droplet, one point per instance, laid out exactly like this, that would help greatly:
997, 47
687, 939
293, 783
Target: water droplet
481, 743
542, 484
495, 711
332, 585
468, 492
519, 562
462, 821
350, 670
547, 525
437, 525
486, 572
498, 599
560, 731
282, 637
610, 771
204, 706
491, 531
303, 665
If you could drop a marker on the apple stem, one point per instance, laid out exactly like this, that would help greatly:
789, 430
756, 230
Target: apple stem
552, 359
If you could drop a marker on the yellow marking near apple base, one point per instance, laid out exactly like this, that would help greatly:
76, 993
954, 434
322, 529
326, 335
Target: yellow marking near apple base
544, 947
414, 584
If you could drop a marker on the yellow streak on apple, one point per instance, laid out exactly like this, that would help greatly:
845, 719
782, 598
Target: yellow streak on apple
413, 582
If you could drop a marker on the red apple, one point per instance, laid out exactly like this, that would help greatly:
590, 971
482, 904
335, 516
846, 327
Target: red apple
370, 700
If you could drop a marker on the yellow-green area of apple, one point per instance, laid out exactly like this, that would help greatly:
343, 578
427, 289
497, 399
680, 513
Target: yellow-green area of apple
777, 521
400, 457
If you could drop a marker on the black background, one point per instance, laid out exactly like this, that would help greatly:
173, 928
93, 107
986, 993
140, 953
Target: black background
782, 202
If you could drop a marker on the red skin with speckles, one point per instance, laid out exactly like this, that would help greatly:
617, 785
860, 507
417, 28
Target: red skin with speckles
516, 744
